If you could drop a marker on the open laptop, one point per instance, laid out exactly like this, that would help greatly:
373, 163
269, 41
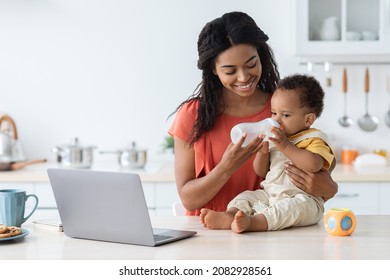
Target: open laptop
106, 206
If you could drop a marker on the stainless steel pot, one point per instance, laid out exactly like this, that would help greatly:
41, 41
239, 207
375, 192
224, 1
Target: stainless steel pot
74, 155
131, 157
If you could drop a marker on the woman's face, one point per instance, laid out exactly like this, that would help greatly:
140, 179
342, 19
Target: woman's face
239, 69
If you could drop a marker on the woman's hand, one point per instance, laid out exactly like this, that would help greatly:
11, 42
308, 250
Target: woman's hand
317, 184
235, 155
196, 192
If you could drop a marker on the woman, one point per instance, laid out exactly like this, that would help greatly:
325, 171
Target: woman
239, 75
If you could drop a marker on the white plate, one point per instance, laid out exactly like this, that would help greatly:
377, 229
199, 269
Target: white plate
24, 233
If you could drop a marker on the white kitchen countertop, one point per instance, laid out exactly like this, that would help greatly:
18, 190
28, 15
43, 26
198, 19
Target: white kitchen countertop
370, 241
152, 172
349, 173
163, 172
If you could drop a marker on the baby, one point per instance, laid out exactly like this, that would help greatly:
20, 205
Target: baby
296, 103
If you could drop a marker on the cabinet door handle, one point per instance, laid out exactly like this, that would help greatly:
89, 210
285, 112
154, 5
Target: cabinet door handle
347, 195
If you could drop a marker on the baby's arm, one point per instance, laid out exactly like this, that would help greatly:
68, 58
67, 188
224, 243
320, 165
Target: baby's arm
261, 162
301, 158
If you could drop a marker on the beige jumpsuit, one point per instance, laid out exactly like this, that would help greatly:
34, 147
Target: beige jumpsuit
283, 204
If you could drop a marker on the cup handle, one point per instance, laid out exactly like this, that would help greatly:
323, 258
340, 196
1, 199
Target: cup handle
35, 207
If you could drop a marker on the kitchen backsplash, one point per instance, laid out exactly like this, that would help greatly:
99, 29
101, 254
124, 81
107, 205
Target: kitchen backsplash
378, 100
112, 74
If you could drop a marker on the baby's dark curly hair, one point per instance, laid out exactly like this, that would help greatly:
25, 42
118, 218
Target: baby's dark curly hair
309, 89
217, 36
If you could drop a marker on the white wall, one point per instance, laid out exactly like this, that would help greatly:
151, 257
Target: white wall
111, 71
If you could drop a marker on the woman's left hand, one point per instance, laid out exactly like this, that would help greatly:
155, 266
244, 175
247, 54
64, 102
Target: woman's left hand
316, 184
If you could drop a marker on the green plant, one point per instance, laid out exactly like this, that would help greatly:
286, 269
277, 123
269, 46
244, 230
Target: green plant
168, 143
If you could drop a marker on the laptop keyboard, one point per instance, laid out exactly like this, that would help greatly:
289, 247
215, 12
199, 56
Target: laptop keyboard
159, 237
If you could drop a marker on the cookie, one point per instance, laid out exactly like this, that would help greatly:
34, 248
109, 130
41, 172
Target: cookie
3, 228
5, 235
9, 231
14, 231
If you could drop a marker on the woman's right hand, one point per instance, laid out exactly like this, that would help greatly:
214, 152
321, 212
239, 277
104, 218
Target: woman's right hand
196, 192
235, 154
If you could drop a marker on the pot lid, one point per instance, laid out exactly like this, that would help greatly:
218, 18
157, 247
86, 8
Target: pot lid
75, 144
133, 147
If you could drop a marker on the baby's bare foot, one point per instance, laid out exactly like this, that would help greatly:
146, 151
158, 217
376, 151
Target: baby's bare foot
215, 220
202, 215
241, 222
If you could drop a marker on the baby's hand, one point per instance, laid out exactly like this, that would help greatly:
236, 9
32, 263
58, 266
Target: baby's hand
280, 138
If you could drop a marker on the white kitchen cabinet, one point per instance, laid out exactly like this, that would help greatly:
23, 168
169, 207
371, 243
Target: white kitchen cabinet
150, 197
166, 196
159, 196
28, 187
41, 190
362, 30
384, 198
361, 198
45, 196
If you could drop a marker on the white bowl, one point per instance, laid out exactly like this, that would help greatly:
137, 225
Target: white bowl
353, 36
369, 35
370, 159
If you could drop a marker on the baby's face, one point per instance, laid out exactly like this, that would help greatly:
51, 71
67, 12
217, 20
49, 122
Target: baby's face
286, 108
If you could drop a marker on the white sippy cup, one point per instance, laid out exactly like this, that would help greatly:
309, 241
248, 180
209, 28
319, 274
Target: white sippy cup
252, 130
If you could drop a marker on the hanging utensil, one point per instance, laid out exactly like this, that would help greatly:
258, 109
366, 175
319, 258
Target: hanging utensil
387, 115
367, 122
345, 121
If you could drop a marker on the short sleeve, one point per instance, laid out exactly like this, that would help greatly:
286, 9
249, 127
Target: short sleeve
320, 147
184, 121
182, 127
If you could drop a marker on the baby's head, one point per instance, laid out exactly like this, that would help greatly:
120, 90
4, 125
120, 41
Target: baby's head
297, 102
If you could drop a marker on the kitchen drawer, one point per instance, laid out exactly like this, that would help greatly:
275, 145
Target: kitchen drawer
28, 187
166, 194
45, 196
361, 198
150, 195
384, 198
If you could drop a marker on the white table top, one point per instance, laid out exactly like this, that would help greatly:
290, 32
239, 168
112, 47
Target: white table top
371, 240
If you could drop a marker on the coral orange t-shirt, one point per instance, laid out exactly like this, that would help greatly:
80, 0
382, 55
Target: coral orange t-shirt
211, 146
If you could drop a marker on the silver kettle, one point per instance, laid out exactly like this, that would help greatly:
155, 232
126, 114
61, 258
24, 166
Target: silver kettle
10, 149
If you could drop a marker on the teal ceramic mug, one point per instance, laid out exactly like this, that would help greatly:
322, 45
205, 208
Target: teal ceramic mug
12, 206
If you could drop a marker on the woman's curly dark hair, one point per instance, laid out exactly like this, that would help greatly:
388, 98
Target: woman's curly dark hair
217, 36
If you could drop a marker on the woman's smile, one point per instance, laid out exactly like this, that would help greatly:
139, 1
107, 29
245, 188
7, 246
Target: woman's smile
239, 69
245, 87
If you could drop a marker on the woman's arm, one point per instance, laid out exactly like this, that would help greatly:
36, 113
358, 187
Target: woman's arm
317, 184
196, 192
